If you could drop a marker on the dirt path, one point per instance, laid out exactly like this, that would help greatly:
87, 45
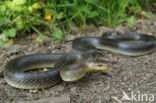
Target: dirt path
137, 74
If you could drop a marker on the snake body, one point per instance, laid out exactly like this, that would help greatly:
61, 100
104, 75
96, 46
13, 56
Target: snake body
118, 44
70, 66
16, 76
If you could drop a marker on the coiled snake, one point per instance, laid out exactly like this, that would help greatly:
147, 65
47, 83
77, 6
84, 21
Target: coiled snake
73, 66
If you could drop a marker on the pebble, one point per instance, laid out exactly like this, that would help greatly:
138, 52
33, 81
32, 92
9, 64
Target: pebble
63, 99
73, 90
13, 49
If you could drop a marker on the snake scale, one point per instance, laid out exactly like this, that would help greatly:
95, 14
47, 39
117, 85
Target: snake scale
72, 66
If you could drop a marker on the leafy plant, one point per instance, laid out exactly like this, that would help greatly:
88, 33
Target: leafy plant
59, 16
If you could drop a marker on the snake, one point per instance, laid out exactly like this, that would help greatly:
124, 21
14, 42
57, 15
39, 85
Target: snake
73, 66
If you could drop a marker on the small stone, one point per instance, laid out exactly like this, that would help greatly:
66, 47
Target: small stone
30, 49
73, 90
33, 91
149, 75
64, 99
116, 57
61, 88
13, 49
70, 37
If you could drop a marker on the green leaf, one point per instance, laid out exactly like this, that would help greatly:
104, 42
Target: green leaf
58, 34
2, 9
147, 14
93, 14
59, 16
131, 21
3, 21
3, 37
36, 6
19, 2
11, 32
36, 30
20, 24
2, 44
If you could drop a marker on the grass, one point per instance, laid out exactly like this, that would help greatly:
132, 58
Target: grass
17, 17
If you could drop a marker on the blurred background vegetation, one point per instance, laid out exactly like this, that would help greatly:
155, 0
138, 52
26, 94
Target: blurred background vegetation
20, 17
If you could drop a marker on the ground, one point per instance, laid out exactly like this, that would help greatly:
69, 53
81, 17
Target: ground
128, 74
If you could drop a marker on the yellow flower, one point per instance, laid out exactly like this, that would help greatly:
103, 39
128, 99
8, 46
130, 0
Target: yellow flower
47, 15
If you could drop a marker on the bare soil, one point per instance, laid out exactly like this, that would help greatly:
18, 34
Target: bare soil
128, 74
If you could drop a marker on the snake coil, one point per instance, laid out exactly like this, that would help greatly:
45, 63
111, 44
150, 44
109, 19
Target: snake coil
70, 66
